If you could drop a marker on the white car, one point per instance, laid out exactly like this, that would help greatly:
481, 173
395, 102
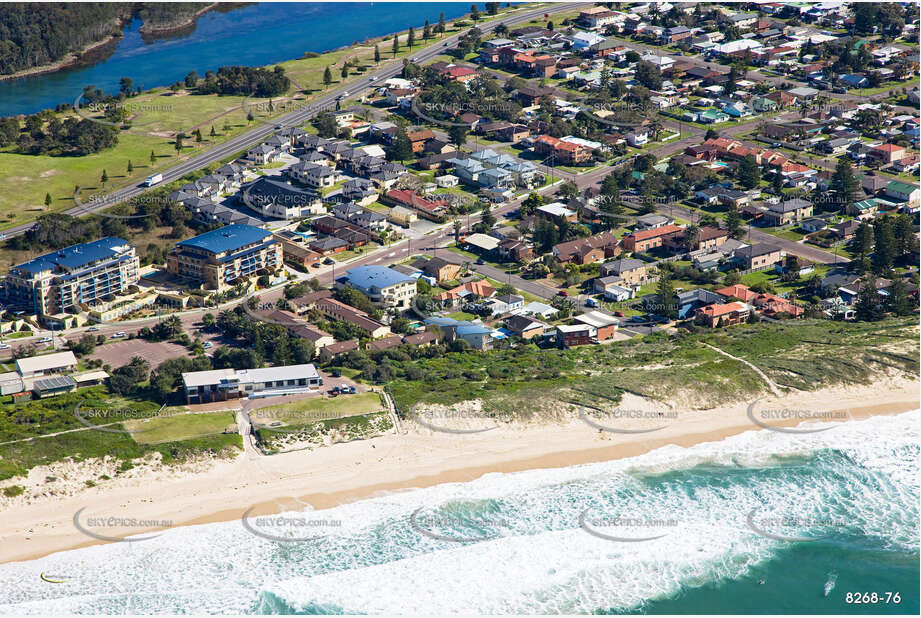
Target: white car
92, 329
120, 335
207, 345
45, 340
5, 346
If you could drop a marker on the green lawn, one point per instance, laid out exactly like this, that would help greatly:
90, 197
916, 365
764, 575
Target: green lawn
461, 316
319, 408
181, 427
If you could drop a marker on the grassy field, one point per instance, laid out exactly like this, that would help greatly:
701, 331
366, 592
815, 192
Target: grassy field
319, 408
181, 427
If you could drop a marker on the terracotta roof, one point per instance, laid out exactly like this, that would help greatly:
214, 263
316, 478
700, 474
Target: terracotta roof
655, 232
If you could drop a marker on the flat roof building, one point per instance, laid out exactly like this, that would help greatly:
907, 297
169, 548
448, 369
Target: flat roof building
223, 384
80, 274
221, 257
46, 364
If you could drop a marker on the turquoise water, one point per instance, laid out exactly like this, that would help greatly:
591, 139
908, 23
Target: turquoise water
253, 35
762, 522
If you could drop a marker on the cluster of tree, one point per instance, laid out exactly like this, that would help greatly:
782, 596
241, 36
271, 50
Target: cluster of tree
164, 330
240, 80
887, 242
35, 34
261, 341
70, 137
129, 379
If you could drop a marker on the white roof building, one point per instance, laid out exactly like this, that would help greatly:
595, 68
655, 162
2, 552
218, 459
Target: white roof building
556, 209
48, 363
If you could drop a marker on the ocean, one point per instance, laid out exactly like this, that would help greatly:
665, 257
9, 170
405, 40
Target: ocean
762, 522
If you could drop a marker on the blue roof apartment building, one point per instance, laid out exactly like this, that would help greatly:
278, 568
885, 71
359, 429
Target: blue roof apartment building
217, 259
384, 286
56, 282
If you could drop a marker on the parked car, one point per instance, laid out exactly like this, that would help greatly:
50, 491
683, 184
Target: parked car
316, 265
329, 261
336, 373
480, 261
207, 345
347, 390
562, 293
637, 318
619, 314
591, 302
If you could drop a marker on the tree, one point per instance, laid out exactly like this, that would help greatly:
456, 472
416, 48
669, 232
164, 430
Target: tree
344, 72
863, 241
178, 143
440, 28
130, 167
396, 45
869, 305
401, 148
884, 246
104, 178
198, 135
326, 126
47, 199
411, 37
898, 301
843, 182
153, 157
665, 293
426, 31
904, 235
474, 13
648, 75
748, 172
569, 190
191, 79
777, 184
733, 221
250, 117
213, 133
126, 86
327, 77
377, 54
458, 135
530, 204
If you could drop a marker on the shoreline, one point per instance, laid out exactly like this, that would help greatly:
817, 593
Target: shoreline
339, 474
71, 59
162, 30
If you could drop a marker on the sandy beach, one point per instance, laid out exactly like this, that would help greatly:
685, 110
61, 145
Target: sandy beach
222, 490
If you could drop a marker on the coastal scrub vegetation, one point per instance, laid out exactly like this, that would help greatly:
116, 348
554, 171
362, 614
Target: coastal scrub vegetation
805, 355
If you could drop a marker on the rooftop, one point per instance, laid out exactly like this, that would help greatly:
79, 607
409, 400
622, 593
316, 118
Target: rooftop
379, 277
227, 238
75, 256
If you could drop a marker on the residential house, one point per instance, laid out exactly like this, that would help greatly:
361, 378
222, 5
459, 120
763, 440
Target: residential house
758, 256
728, 314
631, 271
558, 212
564, 153
439, 268
788, 211
903, 192
568, 336
338, 311
587, 250
525, 327
466, 292
644, 240
330, 352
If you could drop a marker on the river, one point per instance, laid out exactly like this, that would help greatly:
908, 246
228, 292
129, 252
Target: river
252, 35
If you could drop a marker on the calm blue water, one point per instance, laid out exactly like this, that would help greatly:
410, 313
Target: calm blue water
853, 489
254, 35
